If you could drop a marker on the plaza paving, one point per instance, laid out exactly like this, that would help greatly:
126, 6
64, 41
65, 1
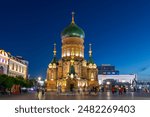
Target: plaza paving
70, 96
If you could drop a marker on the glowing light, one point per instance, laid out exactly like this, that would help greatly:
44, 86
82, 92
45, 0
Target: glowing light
71, 76
78, 84
39, 78
68, 54
83, 84
108, 83
92, 75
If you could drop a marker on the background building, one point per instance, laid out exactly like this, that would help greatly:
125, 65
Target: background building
125, 78
108, 76
72, 71
13, 66
107, 69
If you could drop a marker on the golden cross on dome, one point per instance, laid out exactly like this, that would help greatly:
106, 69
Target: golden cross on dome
73, 13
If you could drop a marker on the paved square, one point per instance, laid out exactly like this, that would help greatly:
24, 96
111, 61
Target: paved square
69, 96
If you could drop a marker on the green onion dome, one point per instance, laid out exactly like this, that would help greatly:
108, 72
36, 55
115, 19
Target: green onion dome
73, 31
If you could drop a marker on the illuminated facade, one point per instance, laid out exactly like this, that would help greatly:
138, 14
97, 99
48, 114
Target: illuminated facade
72, 70
13, 66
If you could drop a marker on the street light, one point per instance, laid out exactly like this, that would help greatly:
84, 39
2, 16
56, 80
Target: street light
39, 78
108, 83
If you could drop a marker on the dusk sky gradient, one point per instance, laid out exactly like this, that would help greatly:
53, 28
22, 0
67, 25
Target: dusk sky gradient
119, 31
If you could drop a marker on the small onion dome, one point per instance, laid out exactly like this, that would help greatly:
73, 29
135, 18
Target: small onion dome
90, 60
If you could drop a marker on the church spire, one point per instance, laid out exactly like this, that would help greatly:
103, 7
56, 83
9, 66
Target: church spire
90, 50
90, 54
54, 60
73, 13
54, 51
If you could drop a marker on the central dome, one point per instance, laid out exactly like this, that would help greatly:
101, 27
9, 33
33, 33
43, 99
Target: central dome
73, 30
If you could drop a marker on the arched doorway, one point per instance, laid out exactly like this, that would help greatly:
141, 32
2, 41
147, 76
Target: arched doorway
1, 70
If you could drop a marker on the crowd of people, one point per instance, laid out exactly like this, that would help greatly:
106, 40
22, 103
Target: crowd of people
120, 90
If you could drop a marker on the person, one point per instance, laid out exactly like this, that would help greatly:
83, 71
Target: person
89, 89
58, 90
116, 89
43, 92
120, 90
95, 90
113, 89
102, 89
40, 94
37, 92
78, 90
124, 89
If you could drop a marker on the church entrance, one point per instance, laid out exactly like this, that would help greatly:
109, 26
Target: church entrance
71, 87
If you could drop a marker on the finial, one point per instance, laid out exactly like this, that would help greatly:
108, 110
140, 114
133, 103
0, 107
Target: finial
90, 46
54, 49
90, 49
73, 13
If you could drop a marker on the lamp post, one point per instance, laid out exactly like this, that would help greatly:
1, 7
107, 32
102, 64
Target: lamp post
38, 81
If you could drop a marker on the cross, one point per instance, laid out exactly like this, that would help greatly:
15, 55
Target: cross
90, 45
54, 49
73, 13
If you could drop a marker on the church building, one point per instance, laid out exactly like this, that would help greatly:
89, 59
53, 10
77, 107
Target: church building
72, 71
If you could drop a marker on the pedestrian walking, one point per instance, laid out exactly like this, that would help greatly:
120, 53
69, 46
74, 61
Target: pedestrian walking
113, 90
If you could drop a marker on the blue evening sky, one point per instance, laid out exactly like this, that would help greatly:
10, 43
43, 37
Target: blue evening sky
119, 31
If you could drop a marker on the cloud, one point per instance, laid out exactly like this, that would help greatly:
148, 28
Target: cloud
144, 69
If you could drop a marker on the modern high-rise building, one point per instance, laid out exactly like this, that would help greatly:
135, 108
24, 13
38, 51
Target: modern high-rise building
72, 71
13, 66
